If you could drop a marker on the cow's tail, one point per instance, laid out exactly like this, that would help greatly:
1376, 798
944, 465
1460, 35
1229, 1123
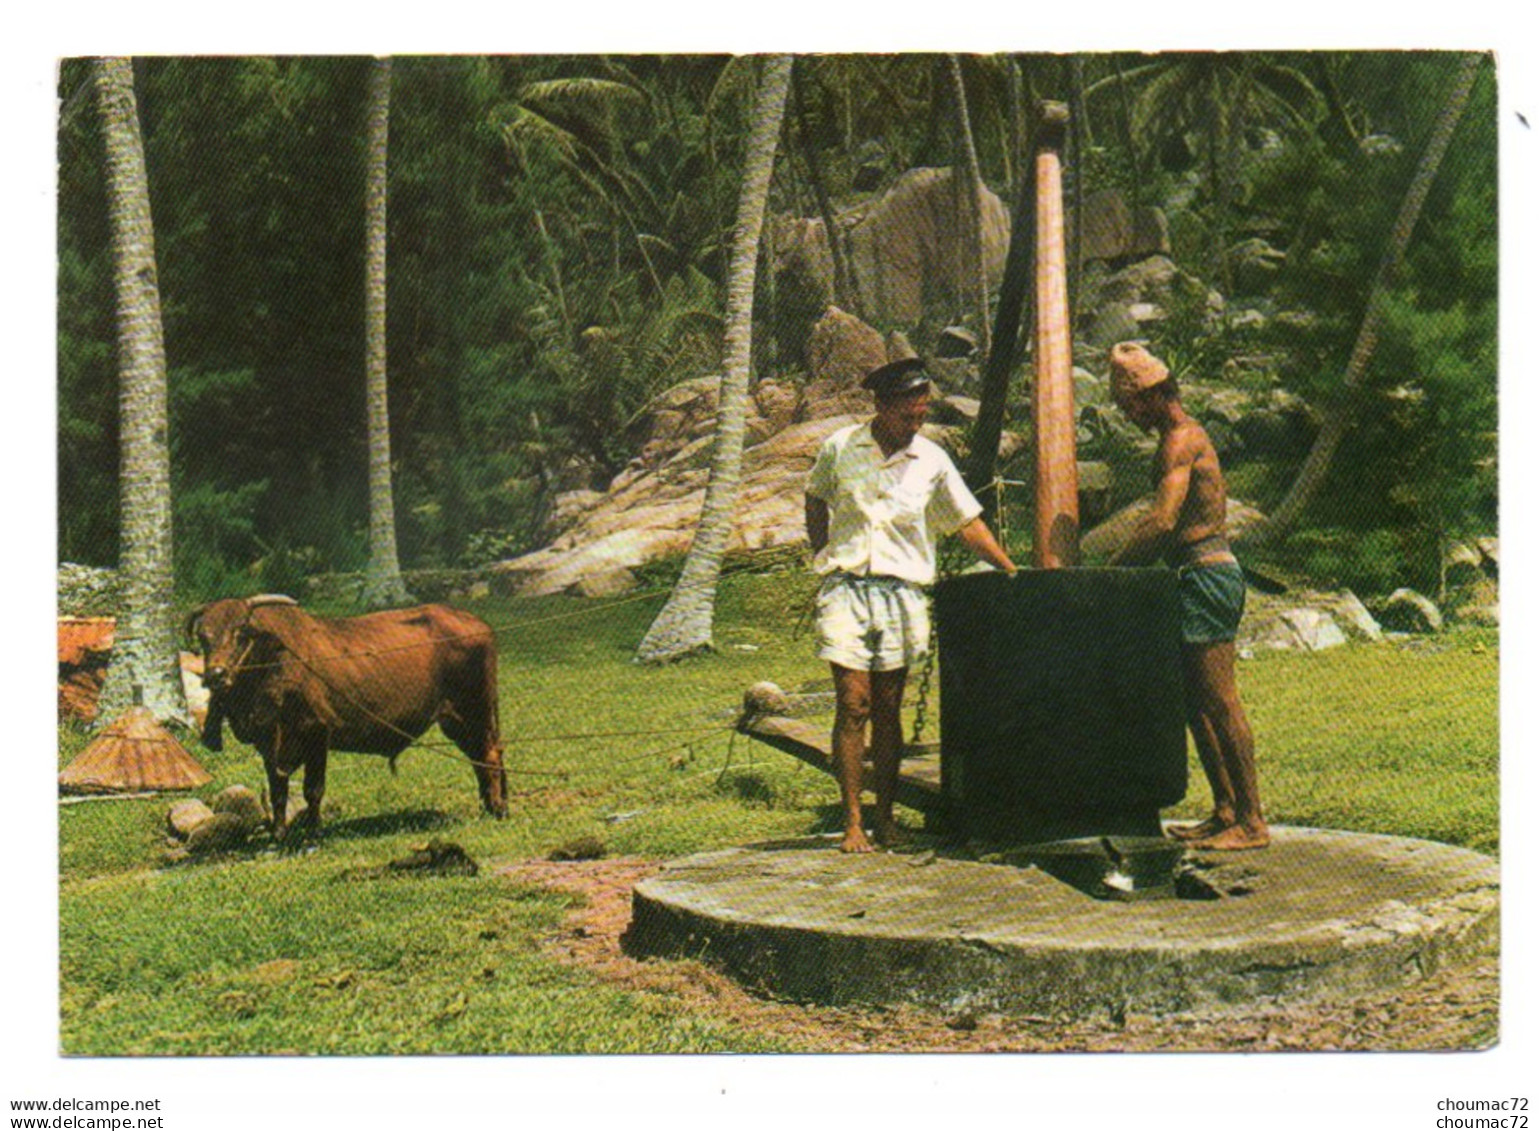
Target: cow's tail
493, 707
494, 727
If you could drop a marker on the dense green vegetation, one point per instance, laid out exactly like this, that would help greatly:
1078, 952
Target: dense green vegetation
262, 951
558, 228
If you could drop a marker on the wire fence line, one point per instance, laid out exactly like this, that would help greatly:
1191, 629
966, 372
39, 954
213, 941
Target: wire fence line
450, 750
519, 625
727, 574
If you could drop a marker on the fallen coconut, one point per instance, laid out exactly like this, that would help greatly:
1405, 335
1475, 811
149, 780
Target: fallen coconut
765, 698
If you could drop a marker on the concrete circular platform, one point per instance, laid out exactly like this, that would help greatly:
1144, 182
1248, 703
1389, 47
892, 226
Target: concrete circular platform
1318, 914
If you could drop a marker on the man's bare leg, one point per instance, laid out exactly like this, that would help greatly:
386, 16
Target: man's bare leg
1219, 700
1212, 766
886, 750
852, 708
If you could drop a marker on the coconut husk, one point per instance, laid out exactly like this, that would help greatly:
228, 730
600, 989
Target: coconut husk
134, 753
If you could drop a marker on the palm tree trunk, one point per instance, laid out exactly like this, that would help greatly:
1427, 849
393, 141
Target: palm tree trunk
684, 624
383, 585
1080, 143
144, 654
845, 295
1005, 348
1020, 132
1125, 128
1340, 418
1216, 122
974, 195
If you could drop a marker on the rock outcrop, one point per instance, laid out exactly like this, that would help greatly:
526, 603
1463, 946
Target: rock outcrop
908, 250
1304, 620
1406, 610
654, 516
1102, 541
1117, 233
1119, 304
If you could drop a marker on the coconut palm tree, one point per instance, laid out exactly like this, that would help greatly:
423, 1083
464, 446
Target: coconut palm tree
1312, 474
383, 586
684, 624
972, 190
845, 293
1216, 95
1005, 348
144, 655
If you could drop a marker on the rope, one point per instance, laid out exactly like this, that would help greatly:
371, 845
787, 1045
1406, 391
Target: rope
645, 595
414, 740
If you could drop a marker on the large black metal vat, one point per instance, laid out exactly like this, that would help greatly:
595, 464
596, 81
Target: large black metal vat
1061, 702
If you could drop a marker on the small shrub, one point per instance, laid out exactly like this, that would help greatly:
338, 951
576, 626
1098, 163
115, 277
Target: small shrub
1371, 562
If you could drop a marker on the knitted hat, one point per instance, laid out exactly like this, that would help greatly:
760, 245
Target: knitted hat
1134, 369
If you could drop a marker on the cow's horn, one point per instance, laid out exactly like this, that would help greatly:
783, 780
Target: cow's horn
270, 599
193, 618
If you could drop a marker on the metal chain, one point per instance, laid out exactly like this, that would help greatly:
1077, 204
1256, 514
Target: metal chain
922, 697
921, 709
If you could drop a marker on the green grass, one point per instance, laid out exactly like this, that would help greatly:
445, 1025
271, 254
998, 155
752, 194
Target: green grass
1381, 739
272, 951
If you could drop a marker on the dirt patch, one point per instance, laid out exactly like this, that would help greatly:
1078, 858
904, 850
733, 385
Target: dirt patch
1453, 1009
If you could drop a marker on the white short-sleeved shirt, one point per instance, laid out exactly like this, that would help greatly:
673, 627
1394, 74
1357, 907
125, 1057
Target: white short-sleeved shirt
886, 511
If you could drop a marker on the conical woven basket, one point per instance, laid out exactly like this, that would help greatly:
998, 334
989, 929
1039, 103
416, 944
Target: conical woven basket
132, 755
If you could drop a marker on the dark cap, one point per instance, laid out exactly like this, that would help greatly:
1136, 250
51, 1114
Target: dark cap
897, 378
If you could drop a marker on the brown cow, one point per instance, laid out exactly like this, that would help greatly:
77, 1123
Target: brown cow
295, 686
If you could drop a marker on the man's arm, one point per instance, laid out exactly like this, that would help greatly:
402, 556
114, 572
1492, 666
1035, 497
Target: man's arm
978, 538
1154, 529
817, 522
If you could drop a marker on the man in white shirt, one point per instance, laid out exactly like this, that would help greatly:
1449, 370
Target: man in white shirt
878, 495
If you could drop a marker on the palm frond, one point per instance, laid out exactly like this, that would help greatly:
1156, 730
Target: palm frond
1289, 94
523, 129
601, 109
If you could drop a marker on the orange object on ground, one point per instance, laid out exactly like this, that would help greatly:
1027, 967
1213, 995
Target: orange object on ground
134, 754
85, 647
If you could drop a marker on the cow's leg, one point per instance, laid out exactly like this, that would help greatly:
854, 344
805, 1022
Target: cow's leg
476, 736
315, 781
277, 793
492, 778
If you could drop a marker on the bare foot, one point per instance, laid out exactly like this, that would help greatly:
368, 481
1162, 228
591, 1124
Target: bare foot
855, 841
888, 832
1236, 838
1212, 826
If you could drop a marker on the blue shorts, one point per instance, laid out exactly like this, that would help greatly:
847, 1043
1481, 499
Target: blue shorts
1212, 602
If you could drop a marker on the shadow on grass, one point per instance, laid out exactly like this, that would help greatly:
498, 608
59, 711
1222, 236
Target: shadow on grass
749, 788
827, 828
303, 839
384, 824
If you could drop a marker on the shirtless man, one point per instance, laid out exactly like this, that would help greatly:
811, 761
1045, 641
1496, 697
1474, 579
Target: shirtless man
1186, 527
878, 495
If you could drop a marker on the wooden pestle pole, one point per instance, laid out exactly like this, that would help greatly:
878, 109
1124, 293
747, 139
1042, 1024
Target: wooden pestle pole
1056, 542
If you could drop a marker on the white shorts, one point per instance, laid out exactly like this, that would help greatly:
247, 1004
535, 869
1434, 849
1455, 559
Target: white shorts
873, 624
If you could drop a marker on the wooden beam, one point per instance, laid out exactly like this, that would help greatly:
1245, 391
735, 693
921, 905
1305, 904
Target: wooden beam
918, 780
1056, 541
